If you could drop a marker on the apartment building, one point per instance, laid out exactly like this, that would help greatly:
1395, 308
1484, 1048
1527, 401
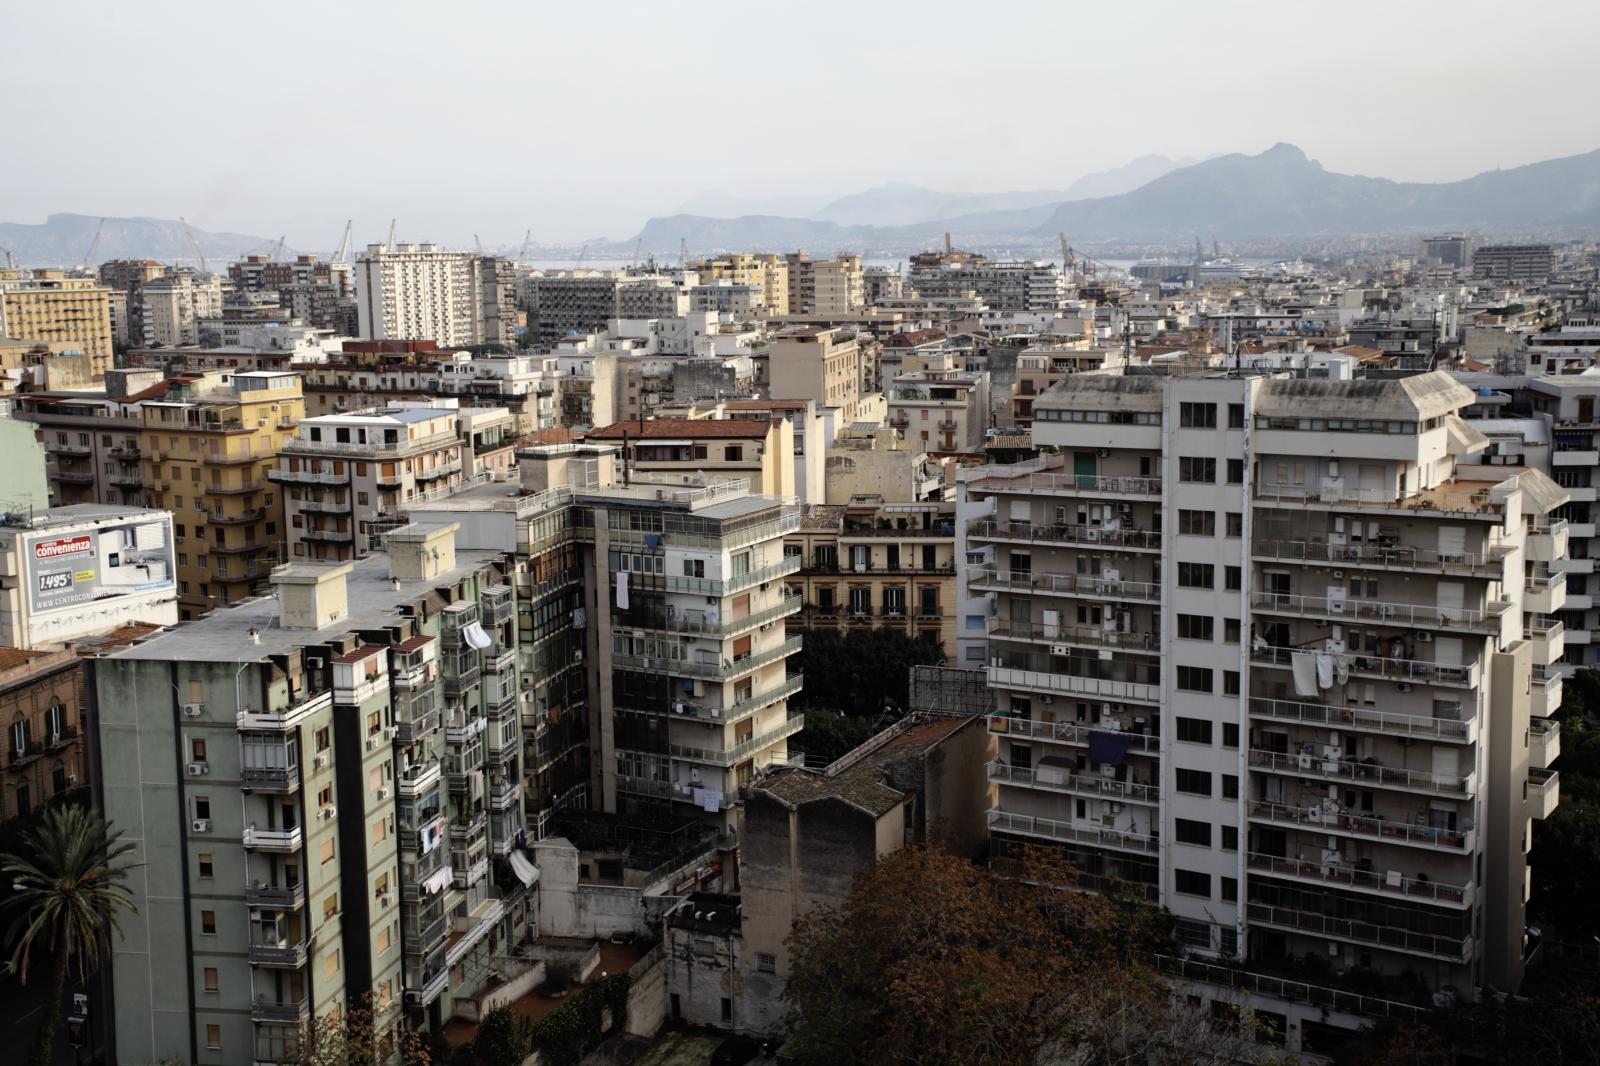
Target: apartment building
333, 777
679, 617
126, 279
1042, 366
873, 564
940, 410
761, 451
93, 445
765, 276
422, 292
172, 306
210, 446
881, 283
1265, 650
1528, 264
340, 472
811, 433
47, 305
825, 286
1022, 285
581, 301
527, 385
818, 363
41, 704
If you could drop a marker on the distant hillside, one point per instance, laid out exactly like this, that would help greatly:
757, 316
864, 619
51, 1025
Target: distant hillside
1126, 178
749, 233
63, 240
899, 204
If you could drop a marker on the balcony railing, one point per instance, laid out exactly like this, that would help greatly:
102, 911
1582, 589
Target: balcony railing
1455, 949
1381, 882
264, 1010
717, 671
706, 586
1100, 837
1063, 584
1076, 484
1097, 636
1389, 830
1287, 991
1352, 717
1366, 773
698, 625
1077, 784
1397, 556
1068, 732
742, 709
1414, 615
739, 752
1050, 682
263, 839
1412, 671
1090, 536
281, 953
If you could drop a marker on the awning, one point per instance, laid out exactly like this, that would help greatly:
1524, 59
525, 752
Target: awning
526, 872
476, 637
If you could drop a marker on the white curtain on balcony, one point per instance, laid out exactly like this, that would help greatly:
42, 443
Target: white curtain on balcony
525, 871
475, 636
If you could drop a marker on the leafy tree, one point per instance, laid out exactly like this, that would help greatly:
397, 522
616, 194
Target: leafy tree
362, 1035
863, 671
936, 961
830, 734
503, 1038
69, 878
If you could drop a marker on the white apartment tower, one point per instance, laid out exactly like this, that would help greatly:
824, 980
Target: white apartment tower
422, 292
1260, 648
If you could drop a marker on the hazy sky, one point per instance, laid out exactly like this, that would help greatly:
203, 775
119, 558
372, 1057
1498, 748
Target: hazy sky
584, 118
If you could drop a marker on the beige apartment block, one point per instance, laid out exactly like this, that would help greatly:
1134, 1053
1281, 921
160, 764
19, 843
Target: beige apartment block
49, 306
760, 451
821, 364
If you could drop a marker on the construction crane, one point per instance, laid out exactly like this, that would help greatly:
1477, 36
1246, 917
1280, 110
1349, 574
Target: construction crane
683, 252
94, 245
11, 260
1068, 263
582, 255
344, 243
638, 244
276, 251
477, 244
527, 239
390, 246
194, 246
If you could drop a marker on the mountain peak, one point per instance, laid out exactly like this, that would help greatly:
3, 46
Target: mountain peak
1284, 150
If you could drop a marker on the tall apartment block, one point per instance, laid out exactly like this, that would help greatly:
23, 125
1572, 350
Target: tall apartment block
173, 306
1261, 648
210, 448
339, 472
825, 286
423, 292
47, 305
326, 787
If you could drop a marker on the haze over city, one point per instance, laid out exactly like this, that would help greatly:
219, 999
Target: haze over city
582, 120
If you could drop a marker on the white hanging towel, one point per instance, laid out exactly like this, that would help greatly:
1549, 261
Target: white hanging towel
622, 590
1324, 670
477, 637
1341, 669
1304, 666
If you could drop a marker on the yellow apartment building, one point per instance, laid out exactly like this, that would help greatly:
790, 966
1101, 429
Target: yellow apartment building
47, 305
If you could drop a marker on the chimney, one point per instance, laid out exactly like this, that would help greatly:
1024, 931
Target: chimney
311, 595
422, 552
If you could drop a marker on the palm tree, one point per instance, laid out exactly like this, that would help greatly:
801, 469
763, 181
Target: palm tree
67, 880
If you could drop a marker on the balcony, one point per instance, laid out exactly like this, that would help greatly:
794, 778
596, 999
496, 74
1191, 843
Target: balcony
1544, 742
498, 605
133, 479
280, 954
1449, 949
469, 829
277, 897
737, 712
1544, 792
284, 720
265, 1010
1092, 537
461, 672
739, 752
412, 724
1050, 829
1401, 671
417, 780
725, 670
432, 988
1321, 767
1403, 557
248, 516
470, 875
504, 794
436, 471
1068, 733
1049, 683
1545, 693
319, 506
644, 786
989, 579
242, 487
308, 477
1390, 883
328, 536
1138, 488
1546, 592
1365, 719
261, 839
1090, 636
697, 624
1549, 640
269, 778
1052, 780
705, 586
1324, 822
1407, 615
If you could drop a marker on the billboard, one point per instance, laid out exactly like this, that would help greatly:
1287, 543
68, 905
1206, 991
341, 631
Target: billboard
70, 568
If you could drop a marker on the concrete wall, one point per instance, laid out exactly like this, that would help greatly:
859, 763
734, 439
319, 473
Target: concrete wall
704, 970
957, 793
647, 993
570, 909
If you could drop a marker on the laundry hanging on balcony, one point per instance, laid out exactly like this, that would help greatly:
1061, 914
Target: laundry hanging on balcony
622, 590
525, 870
1304, 666
475, 636
1324, 670
1109, 748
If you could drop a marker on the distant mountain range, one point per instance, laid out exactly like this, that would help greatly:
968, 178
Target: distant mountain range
64, 240
1279, 192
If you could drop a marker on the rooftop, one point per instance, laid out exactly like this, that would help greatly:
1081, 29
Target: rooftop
858, 777
75, 514
682, 427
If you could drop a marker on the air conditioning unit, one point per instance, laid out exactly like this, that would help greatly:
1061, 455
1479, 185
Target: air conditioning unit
374, 742
1047, 699
1404, 686
200, 825
193, 710
1338, 575
1102, 453
1060, 649
1424, 636
694, 774
385, 792
313, 662
319, 761
327, 813
196, 769
1114, 807
394, 732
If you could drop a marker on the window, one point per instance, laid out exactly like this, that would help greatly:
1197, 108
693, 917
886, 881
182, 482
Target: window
1189, 831
325, 851
324, 797
1197, 470
1191, 883
1197, 575
1230, 734
1197, 415
1194, 782
211, 981
1232, 578
975, 622
197, 750
741, 563
1236, 471
1194, 679
385, 940
202, 807
1231, 631
1230, 786
208, 923
1194, 730
330, 906
1230, 890
1196, 627
1235, 524
214, 1037
330, 968
694, 568
766, 962
1197, 523
727, 1009
1236, 416
1230, 838
1230, 682
207, 868
377, 832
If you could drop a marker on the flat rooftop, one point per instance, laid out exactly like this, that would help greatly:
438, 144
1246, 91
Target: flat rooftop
225, 634
76, 514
